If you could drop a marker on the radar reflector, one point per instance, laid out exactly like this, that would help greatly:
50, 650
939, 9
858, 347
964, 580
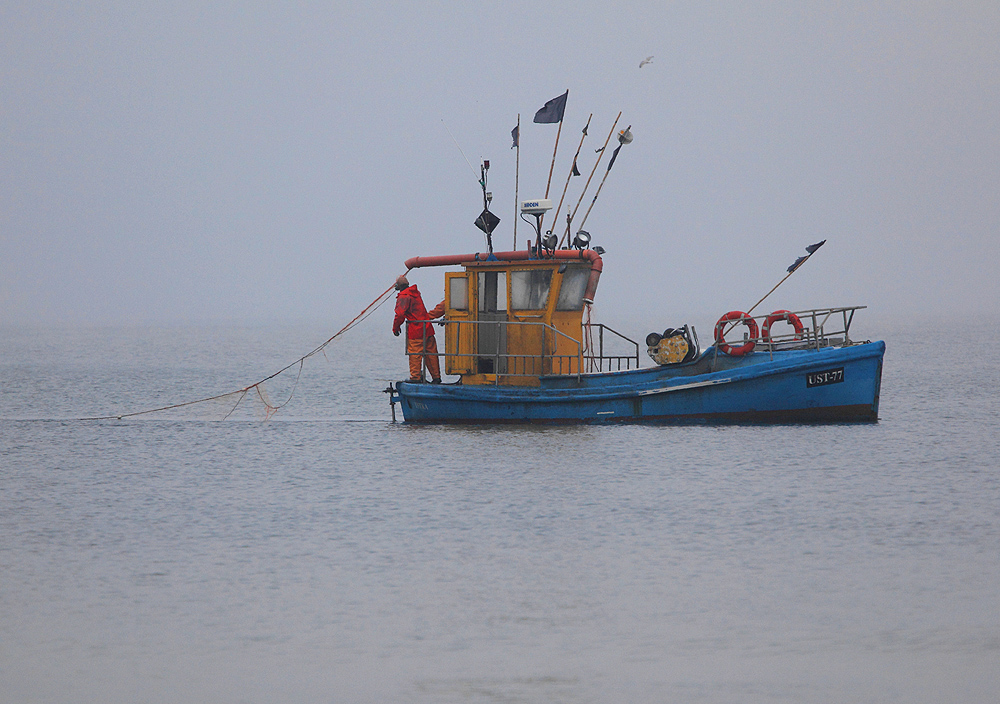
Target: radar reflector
487, 222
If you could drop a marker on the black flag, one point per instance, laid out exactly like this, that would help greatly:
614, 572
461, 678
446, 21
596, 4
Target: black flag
811, 249
553, 110
576, 171
797, 264
614, 156
515, 134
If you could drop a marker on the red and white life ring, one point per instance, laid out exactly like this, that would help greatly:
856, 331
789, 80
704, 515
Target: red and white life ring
736, 316
779, 315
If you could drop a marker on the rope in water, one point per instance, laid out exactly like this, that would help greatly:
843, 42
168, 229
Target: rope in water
271, 408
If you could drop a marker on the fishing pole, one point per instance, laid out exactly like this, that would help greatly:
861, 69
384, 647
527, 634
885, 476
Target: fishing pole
569, 218
624, 137
573, 171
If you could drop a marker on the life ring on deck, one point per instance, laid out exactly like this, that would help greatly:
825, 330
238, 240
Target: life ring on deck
778, 315
736, 316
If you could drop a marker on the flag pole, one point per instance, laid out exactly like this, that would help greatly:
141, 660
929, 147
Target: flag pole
811, 250
571, 170
552, 166
771, 291
610, 164
791, 270
517, 175
592, 172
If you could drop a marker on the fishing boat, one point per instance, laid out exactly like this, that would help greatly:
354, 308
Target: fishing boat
518, 337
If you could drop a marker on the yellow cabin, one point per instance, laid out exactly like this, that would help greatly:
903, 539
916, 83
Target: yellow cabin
509, 321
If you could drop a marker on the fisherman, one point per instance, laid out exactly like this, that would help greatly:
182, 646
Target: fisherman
421, 347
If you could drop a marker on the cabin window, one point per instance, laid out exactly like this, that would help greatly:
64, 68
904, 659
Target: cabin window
492, 291
529, 290
574, 285
458, 293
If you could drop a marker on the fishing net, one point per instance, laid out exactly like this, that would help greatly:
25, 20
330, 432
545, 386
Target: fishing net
261, 399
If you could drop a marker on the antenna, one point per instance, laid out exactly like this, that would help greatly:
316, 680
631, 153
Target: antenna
486, 221
459, 148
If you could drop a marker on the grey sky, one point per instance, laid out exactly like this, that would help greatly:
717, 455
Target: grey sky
193, 161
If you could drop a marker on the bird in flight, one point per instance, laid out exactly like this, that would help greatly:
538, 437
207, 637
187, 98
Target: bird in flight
647, 60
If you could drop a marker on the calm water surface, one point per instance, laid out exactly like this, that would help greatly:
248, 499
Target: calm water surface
328, 555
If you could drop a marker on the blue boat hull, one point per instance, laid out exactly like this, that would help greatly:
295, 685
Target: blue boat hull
833, 384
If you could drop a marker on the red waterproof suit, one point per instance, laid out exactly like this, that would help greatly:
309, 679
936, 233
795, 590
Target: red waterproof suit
420, 343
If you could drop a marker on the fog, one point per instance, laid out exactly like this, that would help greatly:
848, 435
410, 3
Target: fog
199, 162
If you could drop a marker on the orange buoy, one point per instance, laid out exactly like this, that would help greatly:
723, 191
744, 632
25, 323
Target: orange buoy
786, 315
736, 316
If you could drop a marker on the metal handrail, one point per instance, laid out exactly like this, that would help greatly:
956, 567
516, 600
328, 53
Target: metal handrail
816, 336
598, 359
563, 360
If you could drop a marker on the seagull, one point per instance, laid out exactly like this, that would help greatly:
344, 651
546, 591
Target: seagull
647, 60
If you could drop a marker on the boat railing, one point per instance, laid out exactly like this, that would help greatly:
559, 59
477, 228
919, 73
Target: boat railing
596, 359
821, 327
545, 360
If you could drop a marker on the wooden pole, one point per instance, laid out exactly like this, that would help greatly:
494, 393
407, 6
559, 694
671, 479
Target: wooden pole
587, 214
517, 176
551, 167
779, 283
734, 323
553, 164
570, 175
592, 172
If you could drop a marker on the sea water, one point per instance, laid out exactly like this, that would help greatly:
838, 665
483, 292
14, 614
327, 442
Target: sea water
329, 555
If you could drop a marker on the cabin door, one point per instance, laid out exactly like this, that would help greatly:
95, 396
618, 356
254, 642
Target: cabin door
492, 325
460, 331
